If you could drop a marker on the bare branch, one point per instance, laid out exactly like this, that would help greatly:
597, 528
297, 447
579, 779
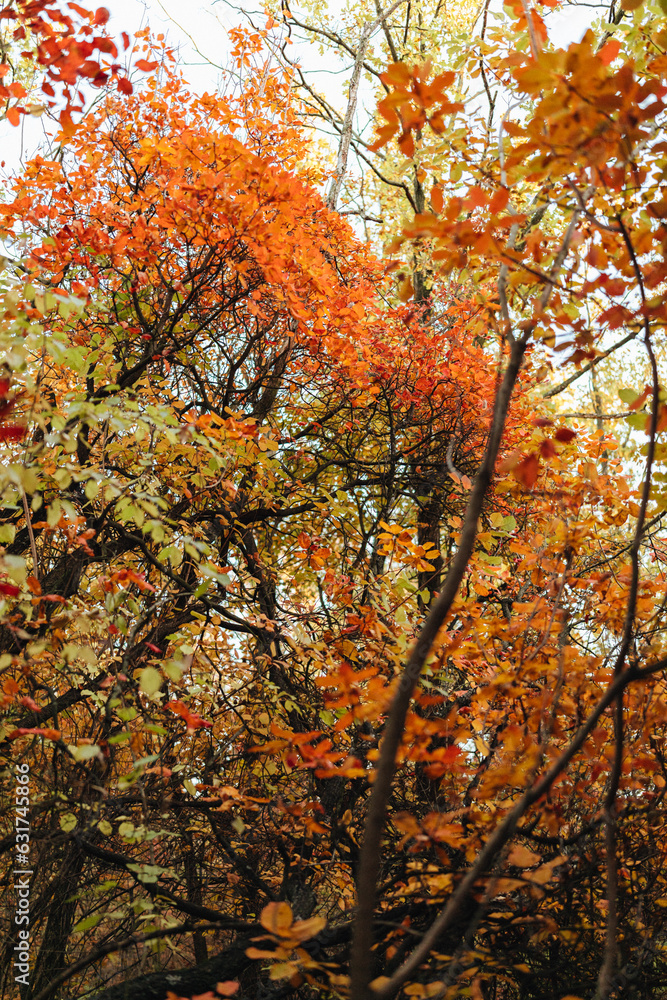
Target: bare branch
557, 389
344, 147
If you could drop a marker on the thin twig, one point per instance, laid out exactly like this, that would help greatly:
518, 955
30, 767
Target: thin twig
31, 535
116, 946
596, 361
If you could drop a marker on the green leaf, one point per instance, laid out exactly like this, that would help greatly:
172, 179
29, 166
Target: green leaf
119, 737
150, 681
7, 532
88, 922
85, 752
67, 822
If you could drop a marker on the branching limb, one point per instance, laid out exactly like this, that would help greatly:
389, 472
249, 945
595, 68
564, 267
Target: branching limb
344, 147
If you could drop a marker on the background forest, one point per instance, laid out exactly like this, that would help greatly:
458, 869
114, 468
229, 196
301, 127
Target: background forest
332, 559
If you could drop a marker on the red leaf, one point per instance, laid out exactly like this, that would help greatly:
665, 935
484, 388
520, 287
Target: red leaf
90, 68
547, 450
11, 432
101, 16
192, 721
152, 647
526, 471
125, 86
564, 435
10, 589
13, 116
144, 66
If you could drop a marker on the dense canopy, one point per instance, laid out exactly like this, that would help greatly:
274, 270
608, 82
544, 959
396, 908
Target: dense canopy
332, 567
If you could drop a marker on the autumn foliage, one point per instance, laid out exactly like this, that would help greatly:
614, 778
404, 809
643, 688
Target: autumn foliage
332, 642
69, 47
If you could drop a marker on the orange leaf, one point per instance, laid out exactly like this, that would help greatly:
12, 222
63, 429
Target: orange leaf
522, 857
499, 201
259, 953
228, 988
398, 74
47, 734
662, 418
609, 51
510, 461
303, 930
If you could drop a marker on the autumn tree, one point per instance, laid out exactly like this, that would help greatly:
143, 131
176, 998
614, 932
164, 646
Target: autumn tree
279, 740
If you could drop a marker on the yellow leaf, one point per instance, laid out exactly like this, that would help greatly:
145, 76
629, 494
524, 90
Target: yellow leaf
381, 982
283, 970
277, 918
